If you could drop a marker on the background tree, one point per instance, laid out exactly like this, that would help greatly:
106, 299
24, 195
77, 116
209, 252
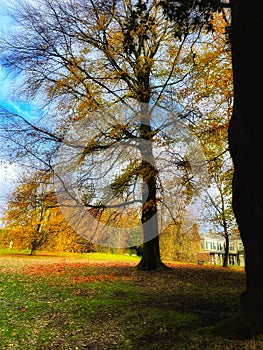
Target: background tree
211, 100
63, 238
33, 220
218, 208
26, 217
180, 242
217, 98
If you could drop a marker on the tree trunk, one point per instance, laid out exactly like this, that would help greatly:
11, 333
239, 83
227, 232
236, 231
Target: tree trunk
33, 248
226, 256
151, 259
245, 134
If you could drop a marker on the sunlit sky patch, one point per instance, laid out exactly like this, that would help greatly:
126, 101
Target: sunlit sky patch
9, 82
12, 102
9, 176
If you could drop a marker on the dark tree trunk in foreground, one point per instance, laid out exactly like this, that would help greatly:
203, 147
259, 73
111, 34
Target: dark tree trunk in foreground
245, 140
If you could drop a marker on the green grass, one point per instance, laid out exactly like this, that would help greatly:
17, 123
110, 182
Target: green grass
106, 256
100, 302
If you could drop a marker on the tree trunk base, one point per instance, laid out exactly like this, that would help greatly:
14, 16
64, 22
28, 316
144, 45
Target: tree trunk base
246, 323
239, 327
157, 266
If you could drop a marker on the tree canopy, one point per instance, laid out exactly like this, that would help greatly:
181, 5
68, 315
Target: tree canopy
116, 77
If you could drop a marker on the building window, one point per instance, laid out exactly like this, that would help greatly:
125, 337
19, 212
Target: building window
209, 245
231, 246
220, 246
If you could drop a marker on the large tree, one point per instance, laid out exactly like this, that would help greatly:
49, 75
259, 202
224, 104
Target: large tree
244, 136
90, 59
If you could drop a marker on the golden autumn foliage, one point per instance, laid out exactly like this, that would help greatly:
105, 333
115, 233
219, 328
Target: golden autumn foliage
33, 220
180, 243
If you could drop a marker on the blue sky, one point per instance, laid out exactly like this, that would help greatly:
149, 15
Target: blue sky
7, 81
8, 100
4, 82
9, 173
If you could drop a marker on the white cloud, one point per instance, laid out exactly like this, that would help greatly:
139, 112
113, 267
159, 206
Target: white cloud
5, 19
9, 176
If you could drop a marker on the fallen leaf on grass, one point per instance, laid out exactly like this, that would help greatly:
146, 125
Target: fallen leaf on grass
96, 278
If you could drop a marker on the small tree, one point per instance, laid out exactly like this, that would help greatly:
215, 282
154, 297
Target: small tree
26, 217
218, 208
34, 220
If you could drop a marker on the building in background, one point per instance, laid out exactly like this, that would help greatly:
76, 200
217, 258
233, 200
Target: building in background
212, 249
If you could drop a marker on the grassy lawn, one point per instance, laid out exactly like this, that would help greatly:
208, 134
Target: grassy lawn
100, 302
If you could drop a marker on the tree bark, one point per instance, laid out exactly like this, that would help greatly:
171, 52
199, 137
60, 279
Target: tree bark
245, 134
226, 256
151, 259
